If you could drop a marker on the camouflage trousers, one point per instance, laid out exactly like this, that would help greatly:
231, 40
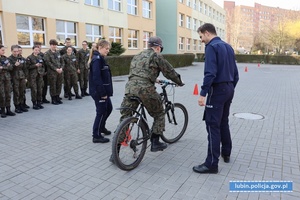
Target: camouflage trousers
19, 86
36, 87
83, 78
71, 81
153, 104
55, 81
5, 93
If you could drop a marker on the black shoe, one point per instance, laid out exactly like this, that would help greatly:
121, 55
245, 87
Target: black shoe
53, 101
226, 158
25, 106
18, 110
3, 114
106, 132
66, 96
100, 140
8, 112
202, 169
35, 106
45, 101
77, 96
73, 95
22, 107
70, 97
156, 145
86, 94
39, 104
58, 100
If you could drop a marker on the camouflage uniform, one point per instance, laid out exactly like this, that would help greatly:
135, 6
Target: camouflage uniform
144, 69
35, 77
55, 80
83, 58
69, 63
5, 84
18, 81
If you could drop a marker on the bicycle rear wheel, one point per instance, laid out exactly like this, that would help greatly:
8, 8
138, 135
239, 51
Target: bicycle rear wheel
176, 123
129, 144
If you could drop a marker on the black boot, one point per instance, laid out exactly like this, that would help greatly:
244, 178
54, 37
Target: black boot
58, 100
25, 105
45, 100
54, 101
23, 108
39, 104
85, 92
70, 96
35, 106
156, 145
77, 96
8, 111
18, 109
3, 114
82, 92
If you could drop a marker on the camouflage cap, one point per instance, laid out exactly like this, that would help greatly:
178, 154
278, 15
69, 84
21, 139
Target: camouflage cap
155, 41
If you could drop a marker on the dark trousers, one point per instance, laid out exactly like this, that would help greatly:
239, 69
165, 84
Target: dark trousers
45, 87
103, 110
216, 118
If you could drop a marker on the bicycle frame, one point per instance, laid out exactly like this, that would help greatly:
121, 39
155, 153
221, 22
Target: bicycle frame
168, 104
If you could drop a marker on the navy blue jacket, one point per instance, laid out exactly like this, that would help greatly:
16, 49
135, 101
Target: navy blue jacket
220, 65
100, 81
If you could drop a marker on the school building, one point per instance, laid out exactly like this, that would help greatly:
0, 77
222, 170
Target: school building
129, 22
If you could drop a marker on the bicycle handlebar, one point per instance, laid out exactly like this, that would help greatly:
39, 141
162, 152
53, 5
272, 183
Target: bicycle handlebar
166, 82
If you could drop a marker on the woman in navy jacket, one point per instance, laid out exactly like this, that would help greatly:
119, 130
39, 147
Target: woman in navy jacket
101, 89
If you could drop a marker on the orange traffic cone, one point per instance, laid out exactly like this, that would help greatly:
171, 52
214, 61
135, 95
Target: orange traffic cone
196, 91
246, 69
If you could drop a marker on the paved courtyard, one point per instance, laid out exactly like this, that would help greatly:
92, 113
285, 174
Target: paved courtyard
49, 154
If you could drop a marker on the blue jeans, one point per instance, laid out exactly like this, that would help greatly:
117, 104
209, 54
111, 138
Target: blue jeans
103, 110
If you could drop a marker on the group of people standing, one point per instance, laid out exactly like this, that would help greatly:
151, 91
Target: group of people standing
55, 68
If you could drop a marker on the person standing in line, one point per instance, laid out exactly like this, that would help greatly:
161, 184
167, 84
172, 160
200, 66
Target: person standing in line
5, 84
83, 74
18, 79
22, 59
52, 59
101, 89
36, 72
45, 81
63, 51
220, 78
70, 66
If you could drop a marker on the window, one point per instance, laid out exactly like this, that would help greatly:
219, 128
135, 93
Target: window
199, 45
195, 45
188, 22
93, 32
1, 39
188, 3
188, 44
195, 24
181, 39
180, 1
146, 37
132, 39
114, 5
115, 34
204, 8
194, 5
30, 30
92, 2
146, 9
132, 7
181, 19
200, 6
65, 29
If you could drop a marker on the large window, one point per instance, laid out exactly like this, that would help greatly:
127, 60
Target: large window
115, 34
146, 37
195, 45
195, 24
1, 39
146, 9
188, 22
93, 32
132, 39
181, 40
30, 30
114, 5
188, 44
65, 29
180, 20
132, 7
200, 6
199, 45
188, 3
92, 2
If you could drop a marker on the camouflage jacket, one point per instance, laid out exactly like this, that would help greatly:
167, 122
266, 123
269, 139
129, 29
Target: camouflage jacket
63, 50
18, 72
6, 68
83, 58
52, 60
147, 65
69, 63
31, 62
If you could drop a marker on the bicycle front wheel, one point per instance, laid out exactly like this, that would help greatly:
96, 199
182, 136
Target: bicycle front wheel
129, 144
176, 123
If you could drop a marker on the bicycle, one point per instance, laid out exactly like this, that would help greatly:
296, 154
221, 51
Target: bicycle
130, 139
